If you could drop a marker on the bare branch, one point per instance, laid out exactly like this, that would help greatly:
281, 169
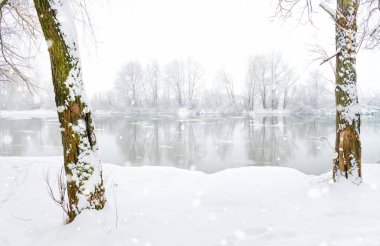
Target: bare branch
18, 39
2, 3
323, 56
328, 10
285, 8
60, 200
330, 57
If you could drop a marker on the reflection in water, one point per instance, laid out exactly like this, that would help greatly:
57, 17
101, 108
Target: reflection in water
29, 137
205, 144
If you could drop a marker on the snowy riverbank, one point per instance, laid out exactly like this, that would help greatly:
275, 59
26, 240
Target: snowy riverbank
181, 113
164, 206
26, 114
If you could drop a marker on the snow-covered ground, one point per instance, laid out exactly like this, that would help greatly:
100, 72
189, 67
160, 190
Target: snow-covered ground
38, 113
164, 206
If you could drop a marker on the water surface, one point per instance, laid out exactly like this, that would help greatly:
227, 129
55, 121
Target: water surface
205, 144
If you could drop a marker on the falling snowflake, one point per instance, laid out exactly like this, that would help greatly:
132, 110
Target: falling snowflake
223, 242
196, 203
7, 139
239, 234
36, 99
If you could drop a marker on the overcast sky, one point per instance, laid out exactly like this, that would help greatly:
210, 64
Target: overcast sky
213, 32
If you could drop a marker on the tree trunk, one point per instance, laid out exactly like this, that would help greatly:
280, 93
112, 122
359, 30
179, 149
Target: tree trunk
285, 99
81, 158
252, 99
264, 97
347, 160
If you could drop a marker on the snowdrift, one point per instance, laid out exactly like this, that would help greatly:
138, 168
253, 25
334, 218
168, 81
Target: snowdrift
165, 206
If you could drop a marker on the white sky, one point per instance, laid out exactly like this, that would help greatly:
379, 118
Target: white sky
213, 32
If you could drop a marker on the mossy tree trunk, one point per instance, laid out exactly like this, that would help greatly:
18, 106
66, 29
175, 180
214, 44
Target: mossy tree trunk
81, 158
347, 160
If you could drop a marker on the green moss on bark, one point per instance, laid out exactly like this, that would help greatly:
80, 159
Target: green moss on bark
72, 110
347, 161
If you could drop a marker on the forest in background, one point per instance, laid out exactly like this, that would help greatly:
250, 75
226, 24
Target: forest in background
271, 85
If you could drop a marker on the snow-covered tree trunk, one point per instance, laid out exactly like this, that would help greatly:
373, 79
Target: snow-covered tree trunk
347, 160
81, 157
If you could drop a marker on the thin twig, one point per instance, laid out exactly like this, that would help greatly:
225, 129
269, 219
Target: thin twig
114, 196
327, 141
330, 57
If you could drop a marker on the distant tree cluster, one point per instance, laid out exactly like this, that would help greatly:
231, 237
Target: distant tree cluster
268, 82
137, 86
17, 96
270, 85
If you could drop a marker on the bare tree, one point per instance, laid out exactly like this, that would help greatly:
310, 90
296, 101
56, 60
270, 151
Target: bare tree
271, 77
226, 82
261, 64
251, 83
194, 74
277, 74
18, 37
153, 81
348, 146
287, 84
103, 101
315, 85
313, 96
175, 77
81, 156
129, 84
347, 160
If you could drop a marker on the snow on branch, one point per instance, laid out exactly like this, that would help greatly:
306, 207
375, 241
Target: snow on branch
330, 57
328, 9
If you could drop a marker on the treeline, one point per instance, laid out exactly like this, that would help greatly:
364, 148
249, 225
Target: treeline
270, 84
21, 96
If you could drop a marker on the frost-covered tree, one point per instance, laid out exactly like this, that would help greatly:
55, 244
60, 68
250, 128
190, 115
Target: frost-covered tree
347, 160
46, 94
226, 82
103, 101
313, 96
81, 156
315, 84
271, 78
175, 77
184, 80
18, 36
194, 73
251, 83
262, 66
152, 77
129, 84
17, 97
279, 76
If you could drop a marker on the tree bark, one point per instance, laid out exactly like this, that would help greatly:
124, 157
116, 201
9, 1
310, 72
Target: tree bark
347, 160
2, 3
81, 158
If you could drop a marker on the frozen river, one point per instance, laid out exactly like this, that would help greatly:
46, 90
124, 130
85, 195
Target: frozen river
205, 144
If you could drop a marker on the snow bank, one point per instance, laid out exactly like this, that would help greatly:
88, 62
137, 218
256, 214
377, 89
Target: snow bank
164, 206
27, 114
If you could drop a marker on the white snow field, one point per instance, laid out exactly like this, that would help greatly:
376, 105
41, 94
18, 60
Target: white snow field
165, 206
